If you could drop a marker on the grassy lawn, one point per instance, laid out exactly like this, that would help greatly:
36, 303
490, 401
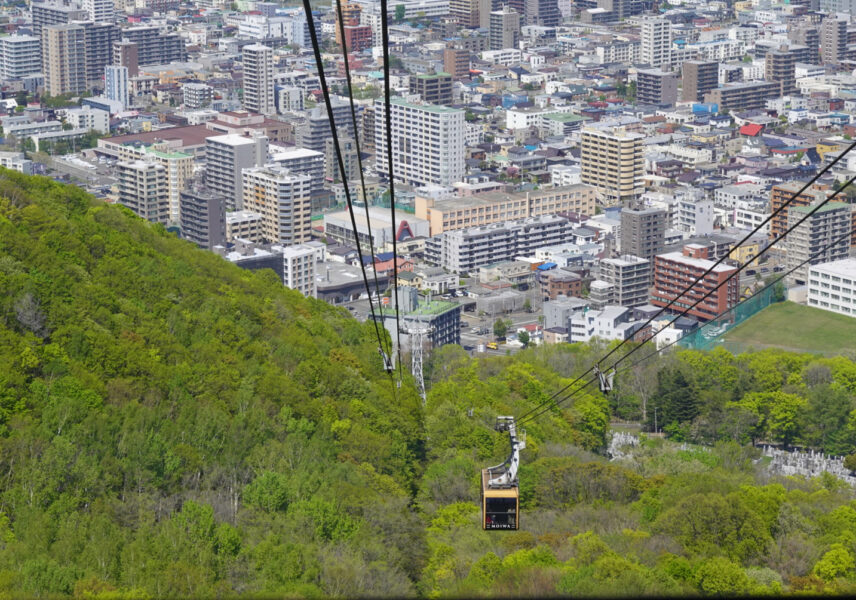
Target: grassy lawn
795, 327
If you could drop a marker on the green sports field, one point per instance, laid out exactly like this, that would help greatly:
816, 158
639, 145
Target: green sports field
794, 327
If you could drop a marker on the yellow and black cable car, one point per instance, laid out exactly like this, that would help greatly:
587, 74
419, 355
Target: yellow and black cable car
500, 495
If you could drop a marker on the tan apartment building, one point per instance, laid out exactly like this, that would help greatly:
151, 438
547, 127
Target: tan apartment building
283, 200
497, 207
64, 59
613, 163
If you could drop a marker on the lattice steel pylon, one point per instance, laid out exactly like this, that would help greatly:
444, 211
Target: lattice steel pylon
417, 333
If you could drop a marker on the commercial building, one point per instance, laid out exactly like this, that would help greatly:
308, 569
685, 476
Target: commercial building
627, 279
20, 55
456, 62
674, 272
142, 188
832, 286
64, 59
427, 143
337, 228
654, 86
613, 162
743, 96
258, 79
816, 237
698, 78
435, 88
656, 36
643, 231
203, 217
465, 250
504, 29
197, 95
497, 207
116, 85
226, 157
283, 200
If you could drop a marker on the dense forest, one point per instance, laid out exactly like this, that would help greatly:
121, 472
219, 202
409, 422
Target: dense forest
171, 425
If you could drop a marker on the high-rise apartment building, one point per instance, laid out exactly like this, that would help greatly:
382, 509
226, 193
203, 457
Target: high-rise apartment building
675, 272
785, 196
434, 88
20, 55
456, 62
643, 231
143, 189
747, 95
179, 168
298, 269
469, 12
226, 157
544, 13
779, 67
654, 86
64, 59
806, 33
699, 77
203, 216
427, 142
100, 10
613, 162
126, 54
504, 29
305, 162
99, 38
822, 237
116, 84
656, 38
348, 148
258, 79
50, 13
628, 278
833, 40
283, 200
315, 130
155, 47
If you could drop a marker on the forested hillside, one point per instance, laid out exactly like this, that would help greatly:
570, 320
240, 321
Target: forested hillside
171, 425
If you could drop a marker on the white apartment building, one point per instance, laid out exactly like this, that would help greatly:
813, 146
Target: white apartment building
821, 236
20, 55
729, 196
300, 160
260, 27
694, 216
283, 200
611, 323
298, 268
197, 95
258, 79
749, 215
656, 36
427, 143
465, 250
116, 85
88, 118
142, 188
100, 11
505, 56
226, 157
832, 286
